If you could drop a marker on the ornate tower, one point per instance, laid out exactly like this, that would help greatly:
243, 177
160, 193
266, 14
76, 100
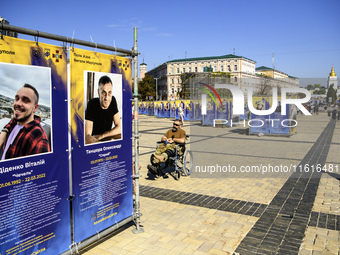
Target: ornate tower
142, 70
332, 79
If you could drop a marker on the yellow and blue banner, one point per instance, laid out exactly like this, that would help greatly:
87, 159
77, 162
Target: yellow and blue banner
101, 171
259, 123
34, 190
151, 108
198, 109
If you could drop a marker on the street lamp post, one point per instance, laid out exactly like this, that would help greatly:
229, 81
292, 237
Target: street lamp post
157, 88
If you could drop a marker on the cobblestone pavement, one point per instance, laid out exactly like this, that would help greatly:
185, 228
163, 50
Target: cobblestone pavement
225, 213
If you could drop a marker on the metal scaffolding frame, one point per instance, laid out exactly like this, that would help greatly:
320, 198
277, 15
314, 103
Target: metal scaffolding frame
134, 54
66, 39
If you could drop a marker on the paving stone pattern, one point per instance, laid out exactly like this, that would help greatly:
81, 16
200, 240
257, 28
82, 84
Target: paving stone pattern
293, 214
317, 219
211, 202
325, 220
281, 227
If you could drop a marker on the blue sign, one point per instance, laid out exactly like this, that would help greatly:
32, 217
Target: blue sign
102, 170
34, 206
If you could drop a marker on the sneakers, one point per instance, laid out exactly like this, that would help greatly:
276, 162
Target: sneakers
153, 169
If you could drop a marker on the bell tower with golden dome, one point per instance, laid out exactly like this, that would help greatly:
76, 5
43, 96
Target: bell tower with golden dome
333, 80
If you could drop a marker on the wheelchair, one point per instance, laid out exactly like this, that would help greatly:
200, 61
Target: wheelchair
181, 164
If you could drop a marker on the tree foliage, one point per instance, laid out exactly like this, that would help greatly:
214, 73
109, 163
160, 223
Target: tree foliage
147, 88
331, 93
321, 91
310, 86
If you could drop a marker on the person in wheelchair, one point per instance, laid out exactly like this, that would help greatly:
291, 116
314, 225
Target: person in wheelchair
167, 147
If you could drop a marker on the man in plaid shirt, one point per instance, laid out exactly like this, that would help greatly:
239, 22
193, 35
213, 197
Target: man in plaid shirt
24, 135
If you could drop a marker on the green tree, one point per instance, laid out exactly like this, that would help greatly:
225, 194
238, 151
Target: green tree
321, 91
310, 86
147, 88
331, 93
317, 86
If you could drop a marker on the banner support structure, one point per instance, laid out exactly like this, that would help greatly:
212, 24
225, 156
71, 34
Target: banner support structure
85, 243
134, 54
136, 136
66, 39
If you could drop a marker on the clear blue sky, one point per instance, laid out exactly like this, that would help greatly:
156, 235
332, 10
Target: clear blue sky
303, 34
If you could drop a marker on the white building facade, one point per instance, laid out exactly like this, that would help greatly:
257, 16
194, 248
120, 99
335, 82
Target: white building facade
243, 73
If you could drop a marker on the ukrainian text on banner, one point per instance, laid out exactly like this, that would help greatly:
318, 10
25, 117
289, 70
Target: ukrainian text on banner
101, 89
34, 210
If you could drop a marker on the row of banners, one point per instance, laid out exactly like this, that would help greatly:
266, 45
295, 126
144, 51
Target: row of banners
191, 110
34, 190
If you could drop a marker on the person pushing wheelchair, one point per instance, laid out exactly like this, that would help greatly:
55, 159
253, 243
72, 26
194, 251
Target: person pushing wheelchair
167, 148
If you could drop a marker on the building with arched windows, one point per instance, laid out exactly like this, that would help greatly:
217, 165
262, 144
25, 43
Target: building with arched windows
242, 72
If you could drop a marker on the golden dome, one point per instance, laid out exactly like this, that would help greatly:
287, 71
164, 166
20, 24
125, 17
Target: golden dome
332, 72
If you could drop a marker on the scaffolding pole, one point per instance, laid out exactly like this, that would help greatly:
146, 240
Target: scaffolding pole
65, 39
75, 248
136, 136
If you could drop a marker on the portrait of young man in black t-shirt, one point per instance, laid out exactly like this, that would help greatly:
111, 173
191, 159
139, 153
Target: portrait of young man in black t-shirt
100, 113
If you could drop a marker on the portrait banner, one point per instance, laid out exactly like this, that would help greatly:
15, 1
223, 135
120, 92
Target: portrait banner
151, 108
101, 91
156, 108
259, 123
173, 109
223, 110
141, 108
276, 120
161, 110
189, 110
208, 119
34, 206
198, 110
166, 109
145, 108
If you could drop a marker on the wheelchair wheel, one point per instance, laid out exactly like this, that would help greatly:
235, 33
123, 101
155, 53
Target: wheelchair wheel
188, 163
